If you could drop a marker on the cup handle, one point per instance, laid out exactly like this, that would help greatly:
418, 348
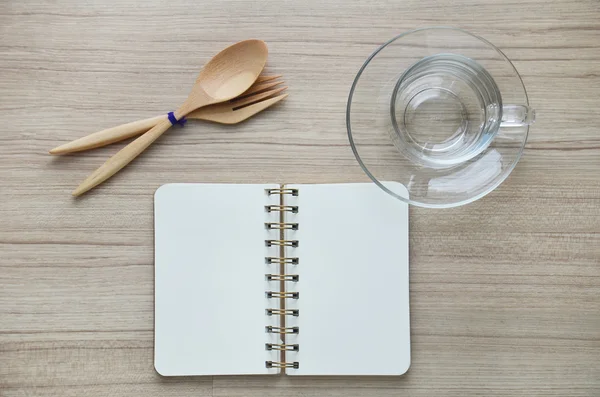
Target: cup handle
517, 116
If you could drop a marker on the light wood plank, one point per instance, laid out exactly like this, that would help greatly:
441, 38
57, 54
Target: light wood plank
505, 292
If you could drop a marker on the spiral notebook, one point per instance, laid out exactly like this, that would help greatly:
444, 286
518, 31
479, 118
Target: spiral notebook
269, 279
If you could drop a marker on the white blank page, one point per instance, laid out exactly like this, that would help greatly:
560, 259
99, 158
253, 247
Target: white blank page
210, 279
354, 308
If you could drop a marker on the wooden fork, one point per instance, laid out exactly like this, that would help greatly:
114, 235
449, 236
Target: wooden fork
261, 95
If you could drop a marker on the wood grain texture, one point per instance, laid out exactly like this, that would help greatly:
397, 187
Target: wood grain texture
505, 292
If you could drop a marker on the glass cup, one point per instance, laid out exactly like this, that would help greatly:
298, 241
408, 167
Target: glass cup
443, 112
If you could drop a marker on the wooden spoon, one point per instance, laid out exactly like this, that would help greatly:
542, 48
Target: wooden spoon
257, 98
227, 75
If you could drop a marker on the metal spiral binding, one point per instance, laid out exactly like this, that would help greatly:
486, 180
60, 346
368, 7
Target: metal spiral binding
283, 294
283, 190
283, 312
282, 346
282, 208
276, 364
282, 243
271, 329
281, 225
282, 261
282, 278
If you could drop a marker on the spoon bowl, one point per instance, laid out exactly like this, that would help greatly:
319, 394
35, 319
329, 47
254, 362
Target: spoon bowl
236, 66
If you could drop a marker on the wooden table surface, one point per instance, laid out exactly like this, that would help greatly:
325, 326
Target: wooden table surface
505, 292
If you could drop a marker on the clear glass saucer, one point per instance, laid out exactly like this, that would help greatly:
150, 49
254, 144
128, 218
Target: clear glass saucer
442, 166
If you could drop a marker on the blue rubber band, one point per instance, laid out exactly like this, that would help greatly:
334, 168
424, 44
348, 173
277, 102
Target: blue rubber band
174, 121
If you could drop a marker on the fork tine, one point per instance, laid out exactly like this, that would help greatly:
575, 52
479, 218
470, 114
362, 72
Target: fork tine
238, 103
229, 115
259, 87
262, 78
249, 111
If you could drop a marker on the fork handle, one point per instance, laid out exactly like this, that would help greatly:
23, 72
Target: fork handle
109, 135
122, 158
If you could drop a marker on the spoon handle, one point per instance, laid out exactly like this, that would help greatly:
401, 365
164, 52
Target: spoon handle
108, 136
122, 158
